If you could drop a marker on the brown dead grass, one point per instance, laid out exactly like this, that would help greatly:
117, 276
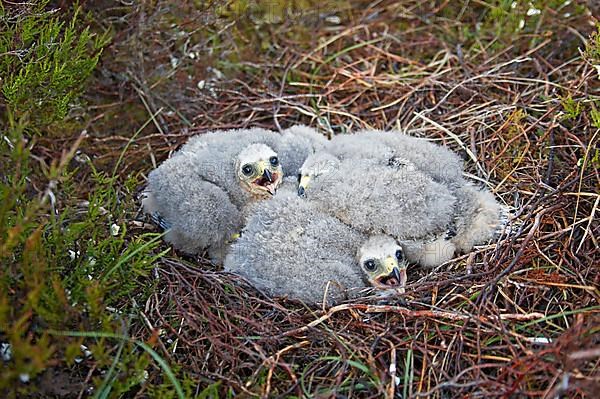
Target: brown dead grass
518, 317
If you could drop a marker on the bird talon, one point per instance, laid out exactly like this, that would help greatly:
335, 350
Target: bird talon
160, 221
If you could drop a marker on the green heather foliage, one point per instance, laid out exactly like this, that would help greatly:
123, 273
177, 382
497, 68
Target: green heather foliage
70, 274
61, 271
44, 62
592, 56
592, 50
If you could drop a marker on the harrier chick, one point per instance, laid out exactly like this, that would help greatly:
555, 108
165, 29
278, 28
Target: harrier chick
201, 196
291, 248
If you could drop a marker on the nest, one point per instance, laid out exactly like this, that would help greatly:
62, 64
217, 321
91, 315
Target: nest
518, 317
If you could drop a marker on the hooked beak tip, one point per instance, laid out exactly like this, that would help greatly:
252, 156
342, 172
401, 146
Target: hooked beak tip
268, 175
395, 279
301, 192
402, 276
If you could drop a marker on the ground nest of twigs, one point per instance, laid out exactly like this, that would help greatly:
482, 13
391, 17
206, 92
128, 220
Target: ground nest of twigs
517, 317
499, 321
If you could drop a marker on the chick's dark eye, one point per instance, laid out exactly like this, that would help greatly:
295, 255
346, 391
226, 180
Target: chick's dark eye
399, 254
274, 161
247, 169
370, 265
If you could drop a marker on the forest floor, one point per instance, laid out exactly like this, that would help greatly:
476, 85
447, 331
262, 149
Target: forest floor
514, 87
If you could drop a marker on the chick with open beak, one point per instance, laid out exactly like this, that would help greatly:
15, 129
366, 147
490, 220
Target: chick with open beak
259, 170
382, 260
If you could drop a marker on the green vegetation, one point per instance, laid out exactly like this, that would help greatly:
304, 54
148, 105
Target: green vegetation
45, 62
73, 268
68, 263
89, 293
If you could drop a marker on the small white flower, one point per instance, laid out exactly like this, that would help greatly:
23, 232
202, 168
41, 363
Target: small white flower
201, 84
85, 350
81, 157
5, 351
513, 5
218, 74
24, 377
114, 229
174, 62
71, 254
521, 24
533, 11
540, 340
333, 19
567, 14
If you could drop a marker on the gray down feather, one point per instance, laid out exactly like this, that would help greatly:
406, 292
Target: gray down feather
292, 145
373, 198
438, 162
197, 193
291, 248
390, 183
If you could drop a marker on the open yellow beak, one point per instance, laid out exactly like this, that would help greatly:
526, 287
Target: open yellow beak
271, 178
393, 275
